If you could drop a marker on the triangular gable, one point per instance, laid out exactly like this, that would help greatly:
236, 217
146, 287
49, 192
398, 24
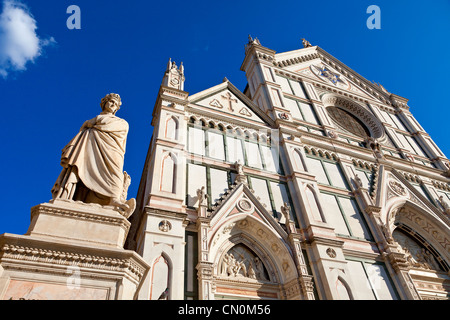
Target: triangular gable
324, 73
319, 65
226, 100
391, 184
241, 200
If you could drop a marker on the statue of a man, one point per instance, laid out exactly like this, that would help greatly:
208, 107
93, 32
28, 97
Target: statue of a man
93, 160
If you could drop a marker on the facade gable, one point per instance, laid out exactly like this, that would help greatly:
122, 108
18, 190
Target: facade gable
241, 199
319, 66
227, 101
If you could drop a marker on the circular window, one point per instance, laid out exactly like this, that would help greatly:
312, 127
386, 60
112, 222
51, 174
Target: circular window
348, 122
353, 117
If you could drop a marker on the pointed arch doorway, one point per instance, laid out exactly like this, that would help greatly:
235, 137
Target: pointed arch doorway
242, 274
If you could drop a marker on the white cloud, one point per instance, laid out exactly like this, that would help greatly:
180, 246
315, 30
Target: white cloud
19, 43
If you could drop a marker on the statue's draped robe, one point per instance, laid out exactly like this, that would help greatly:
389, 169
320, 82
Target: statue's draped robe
98, 154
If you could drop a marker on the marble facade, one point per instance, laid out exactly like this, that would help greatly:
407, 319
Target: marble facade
312, 170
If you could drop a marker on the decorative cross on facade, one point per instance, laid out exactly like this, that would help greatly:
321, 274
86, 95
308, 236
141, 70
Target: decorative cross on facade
230, 99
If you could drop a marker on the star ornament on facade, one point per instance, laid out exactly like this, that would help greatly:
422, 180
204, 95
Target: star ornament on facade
333, 77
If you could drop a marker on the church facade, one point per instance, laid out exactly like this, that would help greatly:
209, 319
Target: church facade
312, 183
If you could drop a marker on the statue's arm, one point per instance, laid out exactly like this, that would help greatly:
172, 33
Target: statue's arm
89, 124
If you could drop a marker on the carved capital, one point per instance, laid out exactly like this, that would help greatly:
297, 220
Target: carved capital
373, 211
205, 270
397, 260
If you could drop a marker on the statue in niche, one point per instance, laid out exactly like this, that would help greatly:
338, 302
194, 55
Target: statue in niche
251, 272
93, 161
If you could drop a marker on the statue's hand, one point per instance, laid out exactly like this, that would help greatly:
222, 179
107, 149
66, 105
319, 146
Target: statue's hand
88, 124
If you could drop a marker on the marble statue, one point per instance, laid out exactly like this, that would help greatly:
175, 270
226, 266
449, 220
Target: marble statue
239, 167
202, 197
444, 205
358, 181
286, 210
93, 161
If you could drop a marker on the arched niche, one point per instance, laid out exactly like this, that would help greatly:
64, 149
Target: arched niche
249, 236
424, 224
423, 240
172, 128
299, 162
168, 173
343, 289
160, 282
313, 203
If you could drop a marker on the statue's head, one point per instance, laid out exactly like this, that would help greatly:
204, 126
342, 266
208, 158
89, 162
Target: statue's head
112, 97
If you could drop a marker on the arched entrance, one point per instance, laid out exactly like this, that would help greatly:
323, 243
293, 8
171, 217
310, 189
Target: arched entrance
252, 262
423, 240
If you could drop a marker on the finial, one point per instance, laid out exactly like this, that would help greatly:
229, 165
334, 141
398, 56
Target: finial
181, 68
306, 43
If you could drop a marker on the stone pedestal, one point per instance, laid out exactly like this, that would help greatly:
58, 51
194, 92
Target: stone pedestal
72, 251
77, 222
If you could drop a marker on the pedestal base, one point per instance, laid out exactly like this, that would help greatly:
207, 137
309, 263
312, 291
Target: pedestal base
37, 269
72, 251
77, 222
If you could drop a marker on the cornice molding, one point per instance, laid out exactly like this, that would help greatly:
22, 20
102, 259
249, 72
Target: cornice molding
97, 217
18, 256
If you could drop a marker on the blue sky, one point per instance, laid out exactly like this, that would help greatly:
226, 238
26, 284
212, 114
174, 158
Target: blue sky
124, 46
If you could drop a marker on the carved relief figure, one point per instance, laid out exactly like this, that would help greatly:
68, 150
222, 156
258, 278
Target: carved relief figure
93, 160
241, 262
416, 255
260, 273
